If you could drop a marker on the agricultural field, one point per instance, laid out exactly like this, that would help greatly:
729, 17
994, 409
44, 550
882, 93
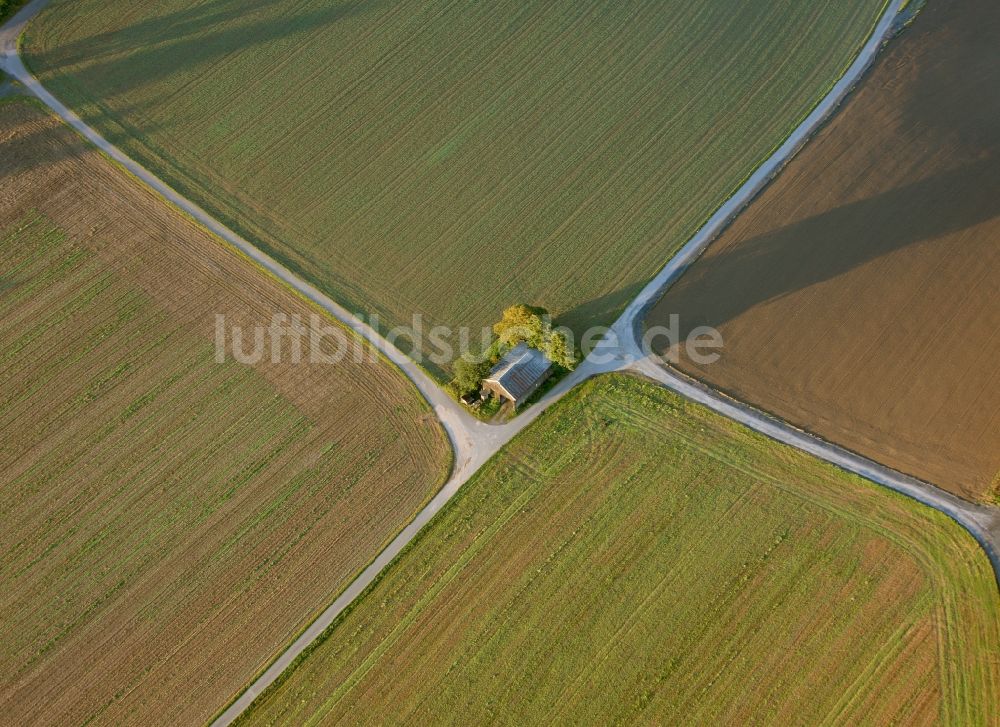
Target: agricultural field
451, 159
168, 522
859, 296
634, 558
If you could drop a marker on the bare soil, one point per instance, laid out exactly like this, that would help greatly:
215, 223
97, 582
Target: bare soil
859, 295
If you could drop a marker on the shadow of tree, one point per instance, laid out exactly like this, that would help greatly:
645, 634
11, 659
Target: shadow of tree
602, 311
168, 43
929, 113
792, 258
19, 142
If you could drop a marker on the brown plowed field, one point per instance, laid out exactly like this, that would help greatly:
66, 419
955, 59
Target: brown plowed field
859, 296
167, 523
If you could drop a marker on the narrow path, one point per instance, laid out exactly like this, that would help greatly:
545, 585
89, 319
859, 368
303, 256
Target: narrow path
981, 521
475, 442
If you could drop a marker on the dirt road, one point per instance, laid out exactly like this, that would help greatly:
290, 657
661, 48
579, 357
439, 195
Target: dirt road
981, 521
859, 294
474, 441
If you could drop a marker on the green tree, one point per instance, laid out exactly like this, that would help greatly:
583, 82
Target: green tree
524, 324
556, 348
469, 375
518, 324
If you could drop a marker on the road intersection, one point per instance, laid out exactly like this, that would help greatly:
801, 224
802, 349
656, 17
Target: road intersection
474, 441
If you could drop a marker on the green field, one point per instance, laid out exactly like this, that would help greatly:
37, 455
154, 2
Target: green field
635, 558
453, 158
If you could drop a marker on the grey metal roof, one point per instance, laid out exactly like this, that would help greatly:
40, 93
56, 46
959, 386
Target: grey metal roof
520, 371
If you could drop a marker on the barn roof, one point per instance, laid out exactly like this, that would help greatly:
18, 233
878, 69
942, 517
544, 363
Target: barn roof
520, 371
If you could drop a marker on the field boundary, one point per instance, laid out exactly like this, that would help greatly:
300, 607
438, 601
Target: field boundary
455, 420
982, 522
628, 325
475, 442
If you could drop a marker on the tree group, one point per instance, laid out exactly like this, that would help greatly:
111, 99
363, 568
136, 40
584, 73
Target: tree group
518, 324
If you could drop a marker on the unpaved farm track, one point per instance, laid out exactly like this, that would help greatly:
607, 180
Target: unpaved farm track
163, 513
474, 441
363, 144
859, 294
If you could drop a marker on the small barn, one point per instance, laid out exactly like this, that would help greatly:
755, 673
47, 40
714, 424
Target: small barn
518, 375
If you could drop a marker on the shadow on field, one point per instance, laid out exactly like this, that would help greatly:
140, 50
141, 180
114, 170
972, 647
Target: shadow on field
19, 144
602, 311
163, 44
955, 92
176, 41
930, 113
720, 287
181, 39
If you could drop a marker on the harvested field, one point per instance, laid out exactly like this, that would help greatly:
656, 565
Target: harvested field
859, 296
384, 150
633, 558
168, 523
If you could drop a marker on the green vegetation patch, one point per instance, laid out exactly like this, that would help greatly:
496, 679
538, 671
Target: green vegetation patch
448, 158
635, 557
